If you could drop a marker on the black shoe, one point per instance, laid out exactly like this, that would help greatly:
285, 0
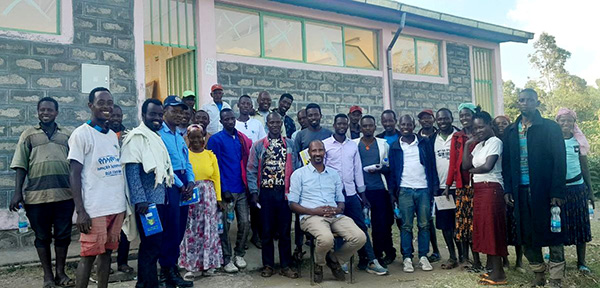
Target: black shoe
336, 269
174, 279
318, 273
362, 264
387, 260
257, 243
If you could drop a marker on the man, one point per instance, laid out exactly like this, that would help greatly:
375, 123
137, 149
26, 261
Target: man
316, 195
342, 156
232, 148
186, 117
214, 108
148, 171
115, 123
252, 128
302, 120
374, 151
264, 106
534, 169
444, 219
189, 98
412, 179
426, 120
175, 217
390, 133
41, 156
98, 188
285, 102
270, 166
355, 115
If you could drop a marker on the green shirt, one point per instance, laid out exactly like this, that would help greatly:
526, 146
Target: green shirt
45, 160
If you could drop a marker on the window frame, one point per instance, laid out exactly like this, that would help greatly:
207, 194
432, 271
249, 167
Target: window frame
416, 39
58, 24
303, 22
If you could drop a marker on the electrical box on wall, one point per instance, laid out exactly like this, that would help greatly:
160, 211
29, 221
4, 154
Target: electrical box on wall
93, 76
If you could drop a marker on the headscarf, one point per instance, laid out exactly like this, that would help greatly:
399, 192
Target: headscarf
469, 106
503, 117
194, 127
584, 145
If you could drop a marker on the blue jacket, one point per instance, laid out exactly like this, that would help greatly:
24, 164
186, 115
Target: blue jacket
427, 158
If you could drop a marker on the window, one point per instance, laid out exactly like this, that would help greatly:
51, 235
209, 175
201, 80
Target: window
416, 56
482, 70
245, 32
170, 23
283, 38
39, 16
239, 32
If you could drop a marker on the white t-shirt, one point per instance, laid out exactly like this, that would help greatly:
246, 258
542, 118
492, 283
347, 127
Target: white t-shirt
441, 149
252, 128
492, 146
102, 182
413, 173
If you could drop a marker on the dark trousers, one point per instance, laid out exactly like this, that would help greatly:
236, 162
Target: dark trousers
123, 250
382, 220
149, 251
51, 220
175, 220
354, 210
298, 233
276, 217
255, 224
242, 214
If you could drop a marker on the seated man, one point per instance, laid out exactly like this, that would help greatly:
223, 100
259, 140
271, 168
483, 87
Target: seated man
316, 195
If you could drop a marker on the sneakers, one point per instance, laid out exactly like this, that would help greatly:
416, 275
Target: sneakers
408, 266
231, 268
425, 265
345, 267
240, 262
189, 275
375, 268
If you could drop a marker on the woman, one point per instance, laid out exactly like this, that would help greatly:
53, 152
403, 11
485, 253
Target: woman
500, 123
201, 245
489, 208
464, 191
579, 186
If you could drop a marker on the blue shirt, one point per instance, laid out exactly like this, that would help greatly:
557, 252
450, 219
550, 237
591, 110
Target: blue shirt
391, 139
178, 152
228, 150
311, 189
141, 185
523, 153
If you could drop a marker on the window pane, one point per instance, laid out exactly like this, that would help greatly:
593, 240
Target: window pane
32, 15
428, 58
283, 38
361, 48
403, 56
237, 32
324, 44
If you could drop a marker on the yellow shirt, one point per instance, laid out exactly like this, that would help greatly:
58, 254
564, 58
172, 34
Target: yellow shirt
206, 167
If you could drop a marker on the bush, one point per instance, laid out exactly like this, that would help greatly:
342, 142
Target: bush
594, 165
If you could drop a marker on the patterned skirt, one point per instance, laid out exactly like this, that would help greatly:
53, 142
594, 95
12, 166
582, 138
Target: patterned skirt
577, 219
201, 245
464, 214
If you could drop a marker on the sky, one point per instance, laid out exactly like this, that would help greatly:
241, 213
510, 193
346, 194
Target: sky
574, 24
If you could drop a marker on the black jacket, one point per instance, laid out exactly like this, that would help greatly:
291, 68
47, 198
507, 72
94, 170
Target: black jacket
427, 159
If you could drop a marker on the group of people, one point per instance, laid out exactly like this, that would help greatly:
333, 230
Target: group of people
489, 184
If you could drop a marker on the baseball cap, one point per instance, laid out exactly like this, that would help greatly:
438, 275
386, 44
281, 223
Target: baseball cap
189, 93
174, 100
426, 111
355, 108
216, 87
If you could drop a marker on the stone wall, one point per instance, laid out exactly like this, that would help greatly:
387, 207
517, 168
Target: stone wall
31, 70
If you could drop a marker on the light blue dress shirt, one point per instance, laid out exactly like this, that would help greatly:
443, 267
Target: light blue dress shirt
311, 189
178, 151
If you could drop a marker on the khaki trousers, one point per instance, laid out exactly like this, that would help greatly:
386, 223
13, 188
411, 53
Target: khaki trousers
324, 228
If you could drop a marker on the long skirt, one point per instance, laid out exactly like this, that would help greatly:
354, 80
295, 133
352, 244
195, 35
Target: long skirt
489, 219
577, 219
201, 245
464, 214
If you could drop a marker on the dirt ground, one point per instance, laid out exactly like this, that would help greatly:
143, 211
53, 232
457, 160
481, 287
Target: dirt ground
27, 277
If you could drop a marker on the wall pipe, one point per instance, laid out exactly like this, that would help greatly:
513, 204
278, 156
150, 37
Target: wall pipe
388, 54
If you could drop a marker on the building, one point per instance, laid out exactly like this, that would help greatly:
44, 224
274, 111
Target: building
330, 52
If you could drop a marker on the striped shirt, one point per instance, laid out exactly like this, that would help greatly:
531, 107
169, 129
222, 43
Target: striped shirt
45, 160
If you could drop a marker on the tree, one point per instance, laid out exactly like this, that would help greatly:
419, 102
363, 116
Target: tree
510, 91
549, 59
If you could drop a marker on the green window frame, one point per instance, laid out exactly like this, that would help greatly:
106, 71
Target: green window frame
416, 41
303, 22
34, 7
179, 32
482, 79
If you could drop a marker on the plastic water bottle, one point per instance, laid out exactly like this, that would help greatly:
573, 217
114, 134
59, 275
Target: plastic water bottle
367, 217
220, 227
555, 219
396, 211
230, 215
386, 162
23, 225
546, 254
591, 211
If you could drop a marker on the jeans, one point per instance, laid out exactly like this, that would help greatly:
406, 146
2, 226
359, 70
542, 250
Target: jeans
175, 220
382, 220
354, 210
411, 201
242, 214
556, 264
149, 251
275, 217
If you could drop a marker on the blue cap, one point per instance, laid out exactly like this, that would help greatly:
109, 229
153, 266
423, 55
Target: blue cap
174, 100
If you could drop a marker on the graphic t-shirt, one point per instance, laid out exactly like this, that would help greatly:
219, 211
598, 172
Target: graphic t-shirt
523, 153
573, 164
102, 182
441, 149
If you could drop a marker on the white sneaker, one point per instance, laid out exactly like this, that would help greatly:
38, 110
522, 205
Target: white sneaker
408, 266
240, 262
425, 265
231, 268
190, 276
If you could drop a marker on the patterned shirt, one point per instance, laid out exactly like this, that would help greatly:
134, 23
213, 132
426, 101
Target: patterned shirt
523, 153
273, 170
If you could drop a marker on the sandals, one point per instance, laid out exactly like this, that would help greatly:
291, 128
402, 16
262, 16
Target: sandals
288, 272
62, 282
125, 269
450, 264
267, 272
490, 282
49, 284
